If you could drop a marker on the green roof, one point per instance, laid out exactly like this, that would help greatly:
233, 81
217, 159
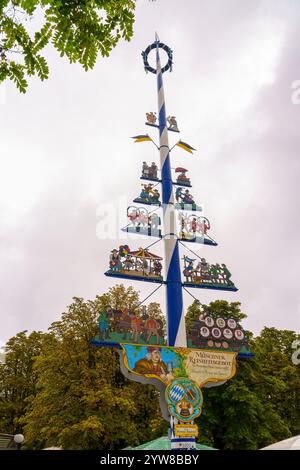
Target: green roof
7, 441
163, 443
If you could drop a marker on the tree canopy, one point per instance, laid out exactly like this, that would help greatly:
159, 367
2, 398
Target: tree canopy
58, 390
261, 404
78, 29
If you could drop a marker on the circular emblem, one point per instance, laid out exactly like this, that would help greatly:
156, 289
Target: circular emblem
227, 333
204, 331
220, 322
160, 45
176, 393
184, 399
209, 321
231, 323
239, 335
216, 333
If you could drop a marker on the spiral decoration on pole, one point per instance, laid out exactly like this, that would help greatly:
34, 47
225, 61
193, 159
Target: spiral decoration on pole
175, 317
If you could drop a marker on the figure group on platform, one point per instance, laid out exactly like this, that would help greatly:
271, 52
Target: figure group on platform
192, 226
151, 118
182, 179
171, 120
121, 325
216, 275
143, 222
150, 171
212, 331
172, 124
139, 263
185, 200
148, 195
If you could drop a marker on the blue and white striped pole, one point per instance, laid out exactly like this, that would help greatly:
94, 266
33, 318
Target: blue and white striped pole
175, 316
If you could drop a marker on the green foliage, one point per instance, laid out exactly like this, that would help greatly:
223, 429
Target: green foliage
82, 400
18, 378
261, 404
78, 29
59, 390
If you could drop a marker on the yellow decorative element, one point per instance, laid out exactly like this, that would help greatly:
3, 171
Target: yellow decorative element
204, 366
201, 366
185, 146
186, 430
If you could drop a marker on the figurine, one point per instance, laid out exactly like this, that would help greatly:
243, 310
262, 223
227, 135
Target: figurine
145, 170
172, 123
138, 217
149, 172
114, 261
153, 170
154, 221
193, 225
178, 194
182, 178
187, 198
103, 322
155, 196
151, 118
157, 267
183, 221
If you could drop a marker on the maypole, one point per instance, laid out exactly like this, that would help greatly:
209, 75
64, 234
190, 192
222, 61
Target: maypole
176, 335
175, 316
177, 364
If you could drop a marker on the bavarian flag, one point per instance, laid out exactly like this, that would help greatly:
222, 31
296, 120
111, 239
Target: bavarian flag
141, 138
185, 146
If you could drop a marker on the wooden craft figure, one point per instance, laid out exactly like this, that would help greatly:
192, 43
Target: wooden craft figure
203, 226
172, 123
103, 321
184, 197
138, 217
145, 170
157, 267
154, 221
153, 171
151, 326
178, 194
136, 327
226, 274
187, 198
151, 118
183, 221
155, 196
189, 269
149, 195
115, 261
150, 172
182, 178
192, 225
128, 263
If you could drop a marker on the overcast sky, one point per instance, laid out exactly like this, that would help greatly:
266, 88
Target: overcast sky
66, 153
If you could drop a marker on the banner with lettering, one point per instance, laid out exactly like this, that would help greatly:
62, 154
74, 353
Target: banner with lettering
165, 363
